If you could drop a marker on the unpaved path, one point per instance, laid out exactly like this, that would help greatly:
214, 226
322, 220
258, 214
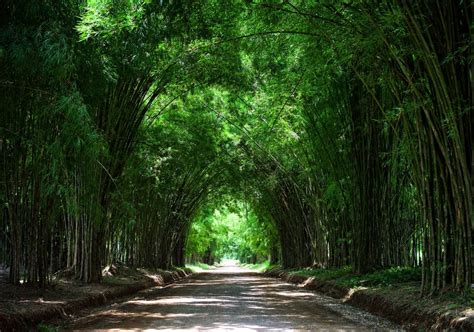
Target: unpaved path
229, 298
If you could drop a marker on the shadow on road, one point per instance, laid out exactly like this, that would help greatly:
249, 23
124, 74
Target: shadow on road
227, 298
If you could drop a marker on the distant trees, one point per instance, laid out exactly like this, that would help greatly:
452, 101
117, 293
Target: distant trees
229, 228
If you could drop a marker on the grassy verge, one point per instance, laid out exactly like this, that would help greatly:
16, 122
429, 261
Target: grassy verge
198, 267
125, 275
381, 278
46, 328
25, 307
401, 284
259, 267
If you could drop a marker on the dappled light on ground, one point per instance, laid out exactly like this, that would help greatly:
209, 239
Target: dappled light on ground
227, 298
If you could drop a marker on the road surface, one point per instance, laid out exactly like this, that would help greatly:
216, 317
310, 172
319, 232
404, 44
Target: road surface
228, 298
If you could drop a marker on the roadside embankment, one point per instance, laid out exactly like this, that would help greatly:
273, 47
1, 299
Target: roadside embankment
400, 303
22, 307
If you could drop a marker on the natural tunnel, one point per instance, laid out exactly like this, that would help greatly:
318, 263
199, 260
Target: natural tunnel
334, 137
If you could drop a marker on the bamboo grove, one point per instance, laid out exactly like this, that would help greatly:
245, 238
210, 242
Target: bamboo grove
346, 126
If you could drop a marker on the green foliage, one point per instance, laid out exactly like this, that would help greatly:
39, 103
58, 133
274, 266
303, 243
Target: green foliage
382, 278
231, 231
198, 267
326, 274
42, 327
104, 19
298, 131
259, 267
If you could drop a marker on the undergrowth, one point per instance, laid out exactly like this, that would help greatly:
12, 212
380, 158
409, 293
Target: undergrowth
198, 267
42, 327
404, 280
345, 276
259, 267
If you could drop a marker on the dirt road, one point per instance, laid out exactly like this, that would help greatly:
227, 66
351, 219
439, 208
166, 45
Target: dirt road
229, 298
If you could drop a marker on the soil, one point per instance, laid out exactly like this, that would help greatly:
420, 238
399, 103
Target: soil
22, 307
401, 304
228, 298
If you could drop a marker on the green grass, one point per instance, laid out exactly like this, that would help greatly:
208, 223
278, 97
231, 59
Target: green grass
401, 284
382, 278
456, 299
259, 267
325, 274
198, 267
42, 327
